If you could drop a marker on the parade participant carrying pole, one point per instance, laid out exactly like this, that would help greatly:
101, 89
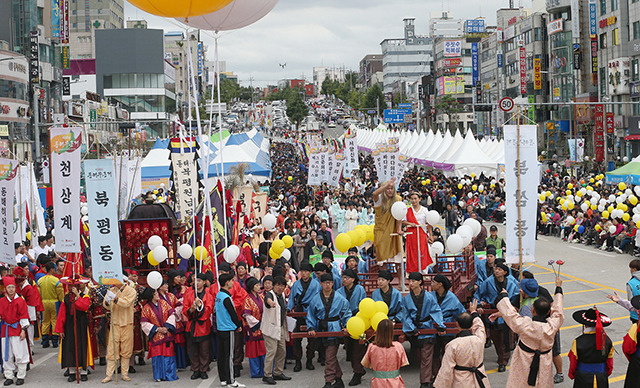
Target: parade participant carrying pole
223, 194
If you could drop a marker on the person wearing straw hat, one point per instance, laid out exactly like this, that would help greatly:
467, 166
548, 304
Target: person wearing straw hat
14, 321
158, 323
76, 352
591, 354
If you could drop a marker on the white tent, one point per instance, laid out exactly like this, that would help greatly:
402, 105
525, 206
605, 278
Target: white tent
469, 159
444, 149
438, 140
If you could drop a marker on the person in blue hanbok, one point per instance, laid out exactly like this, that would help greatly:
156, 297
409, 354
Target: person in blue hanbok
389, 295
484, 267
158, 322
451, 308
336, 272
340, 218
421, 311
322, 214
354, 262
362, 215
353, 293
329, 311
486, 294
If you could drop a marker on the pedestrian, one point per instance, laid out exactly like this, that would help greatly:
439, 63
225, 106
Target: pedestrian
76, 343
389, 295
52, 294
532, 361
385, 356
253, 308
120, 299
158, 322
353, 293
463, 361
227, 323
329, 311
591, 355
300, 297
276, 333
421, 311
14, 322
196, 313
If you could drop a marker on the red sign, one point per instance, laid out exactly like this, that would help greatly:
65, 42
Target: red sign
512, 21
610, 122
523, 71
451, 62
599, 133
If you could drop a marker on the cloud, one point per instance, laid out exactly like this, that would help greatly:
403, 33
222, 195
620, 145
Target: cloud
306, 34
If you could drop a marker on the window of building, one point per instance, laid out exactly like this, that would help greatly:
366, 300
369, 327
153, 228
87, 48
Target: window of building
603, 79
635, 70
615, 38
614, 5
603, 7
636, 30
603, 40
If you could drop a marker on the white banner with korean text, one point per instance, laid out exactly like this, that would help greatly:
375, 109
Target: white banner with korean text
65, 177
350, 153
8, 173
103, 220
525, 227
259, 207
335, 164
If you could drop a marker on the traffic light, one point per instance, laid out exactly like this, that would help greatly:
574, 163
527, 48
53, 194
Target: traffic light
553, 107
483, 107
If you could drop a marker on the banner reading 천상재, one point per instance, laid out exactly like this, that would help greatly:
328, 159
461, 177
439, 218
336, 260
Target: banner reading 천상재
103, 220
529, 180
65, 177
8, 173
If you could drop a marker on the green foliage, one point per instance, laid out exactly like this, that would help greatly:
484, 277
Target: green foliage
451, 107
297, 110
374, 96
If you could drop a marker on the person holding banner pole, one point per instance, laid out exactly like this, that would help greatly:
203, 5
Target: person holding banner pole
387, 230
417, 247
121, 305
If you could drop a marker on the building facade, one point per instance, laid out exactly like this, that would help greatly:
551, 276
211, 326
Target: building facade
370, 70
87, 16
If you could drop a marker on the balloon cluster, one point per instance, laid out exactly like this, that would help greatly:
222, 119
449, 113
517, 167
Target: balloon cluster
280, 248
157, 252
354, 238
464, 234
370, 314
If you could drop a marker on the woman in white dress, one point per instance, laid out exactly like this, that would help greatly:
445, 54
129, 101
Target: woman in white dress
351, 216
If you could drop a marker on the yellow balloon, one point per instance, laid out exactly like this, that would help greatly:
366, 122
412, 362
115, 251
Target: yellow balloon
626, 217
570, 205
474, 187
624, 207
367, 307
622, 185
578, 193
459, 185
29, 236
201, 253
370, 234
597, 227
343, 242
594, 207
568, 192
561, 200
605, 214
382, 307
367, 321
361, 237
633, 200
542, 197
354, 237
180, 9
428, 181
273, 254
356, 327
278, 247
587, 203
638, 224
473, 175
376, 319
589, 187
548, 193
151, 260
288, 241
575, 227
570, 186
290, 178
610, 208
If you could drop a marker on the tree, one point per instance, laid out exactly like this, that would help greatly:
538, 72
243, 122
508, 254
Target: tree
297, 110
374, 98
451, 107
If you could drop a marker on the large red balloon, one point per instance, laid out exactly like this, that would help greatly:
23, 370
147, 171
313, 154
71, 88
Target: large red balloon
238, 14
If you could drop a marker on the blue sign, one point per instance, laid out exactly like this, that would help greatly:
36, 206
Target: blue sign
474, 26
593, 27
396, 115
407, 105
55, 18
372, 111
500, 60
474, 63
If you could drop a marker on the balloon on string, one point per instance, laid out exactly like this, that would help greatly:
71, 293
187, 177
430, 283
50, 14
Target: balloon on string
154, 241
237, 14
84, 210
382, 307
269, 221
154, 279
278, 246
368, 307
185, 251
367, 321
356, 327
160, 253
433, 217
474, 224
626, 217
454, 243
584, 207
466, 232
201, 253
151, 260
571, 220
612, 229
343, 242
636, 189
399, 210
288, 241
437, 248
286, 254
376, 319
179, 9
361, 237
273, 254
231, 253
605, 214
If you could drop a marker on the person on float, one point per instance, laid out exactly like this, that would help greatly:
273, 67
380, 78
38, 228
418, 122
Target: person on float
387, 230
389, 295
302, 292
451, 309
417, 236
591, 354
328, 260
353, 293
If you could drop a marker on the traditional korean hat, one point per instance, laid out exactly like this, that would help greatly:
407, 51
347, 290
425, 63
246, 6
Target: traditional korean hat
8, 280
594, 318
74, 280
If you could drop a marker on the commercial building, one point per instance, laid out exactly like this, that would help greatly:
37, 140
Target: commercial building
15, 110
371, 70
87, 16
176, 48
330, 73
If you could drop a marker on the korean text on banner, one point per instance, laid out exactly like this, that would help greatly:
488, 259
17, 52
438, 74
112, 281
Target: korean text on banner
335, 164
65, 176
351, 153
259, 207
103, 220
529, 180
8, 173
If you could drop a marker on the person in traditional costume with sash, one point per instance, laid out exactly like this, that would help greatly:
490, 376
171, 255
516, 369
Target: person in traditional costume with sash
463, 361
98, 319
451, 309
196, 313
385, 357
353, 293
52, 295
417, 246
389, 295
630, 345
177, 288
158, 322
178, 334
253, 307
591, 354
421, 311
387, 231
76, 351
532, 361
138, 340
487, 294
329, 311
14, 322
32, 297
301, 295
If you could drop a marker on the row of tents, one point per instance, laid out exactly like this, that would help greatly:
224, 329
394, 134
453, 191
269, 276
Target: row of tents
455, 155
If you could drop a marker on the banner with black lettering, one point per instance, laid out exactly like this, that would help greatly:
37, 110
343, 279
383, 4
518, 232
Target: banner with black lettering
185, 175
103, 220
8, 173
350, 153
65, 177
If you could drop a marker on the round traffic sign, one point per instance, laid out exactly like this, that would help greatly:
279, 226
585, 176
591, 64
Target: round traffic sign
506, 104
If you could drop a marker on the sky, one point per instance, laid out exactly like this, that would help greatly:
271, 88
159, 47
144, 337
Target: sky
334, 33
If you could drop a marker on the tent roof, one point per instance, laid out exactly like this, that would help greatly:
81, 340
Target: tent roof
629, 173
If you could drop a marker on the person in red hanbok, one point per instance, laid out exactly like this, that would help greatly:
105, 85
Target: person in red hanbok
417, 236
31, 295
253, 308
196, 313
14, 321
158, 322
176, 287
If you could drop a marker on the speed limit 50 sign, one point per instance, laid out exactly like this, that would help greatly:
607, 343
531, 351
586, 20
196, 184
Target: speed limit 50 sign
506, 104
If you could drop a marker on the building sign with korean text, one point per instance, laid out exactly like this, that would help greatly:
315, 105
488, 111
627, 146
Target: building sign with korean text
554, 26
103, 220
523, 71
599, 133
537, 76
610, 122
34, 58
593, 27
618, 76
8, 173
452, 48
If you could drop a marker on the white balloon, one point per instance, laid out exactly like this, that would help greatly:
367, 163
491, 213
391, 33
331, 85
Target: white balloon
474, 224
550, 197
85, 219
602, 201
437, 248
231, 253
481, 188
620, 199
502, 208
466, 233
601, 208
636, 189
53, 231
84, 210
583, 190
612, 229
269, 221
433, 217
461, 204
454, 243
185, 251
238, 14
281, 197
470, 195
399, 210
286, 254
154, 279
570, 220
636, 218
584, 207
160, 254
570, 198
612, 197
628, 192
636, 210
154, 241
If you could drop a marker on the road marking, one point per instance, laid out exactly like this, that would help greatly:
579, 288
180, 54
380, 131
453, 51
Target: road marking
44, 358
542, 273
585, 281
207, 383
495, 370
575, 326
594, 252
588, 290
614, 344
586, 305
563, 282
618, 378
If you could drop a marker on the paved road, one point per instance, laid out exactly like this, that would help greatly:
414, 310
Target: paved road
588, 274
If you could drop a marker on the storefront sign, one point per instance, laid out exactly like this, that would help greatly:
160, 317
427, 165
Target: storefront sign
554, 26
34, 58
474, 63
593, 29
606, 22
634, 89
599, 133
523, 71
610, 122
537, 76
452, 48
